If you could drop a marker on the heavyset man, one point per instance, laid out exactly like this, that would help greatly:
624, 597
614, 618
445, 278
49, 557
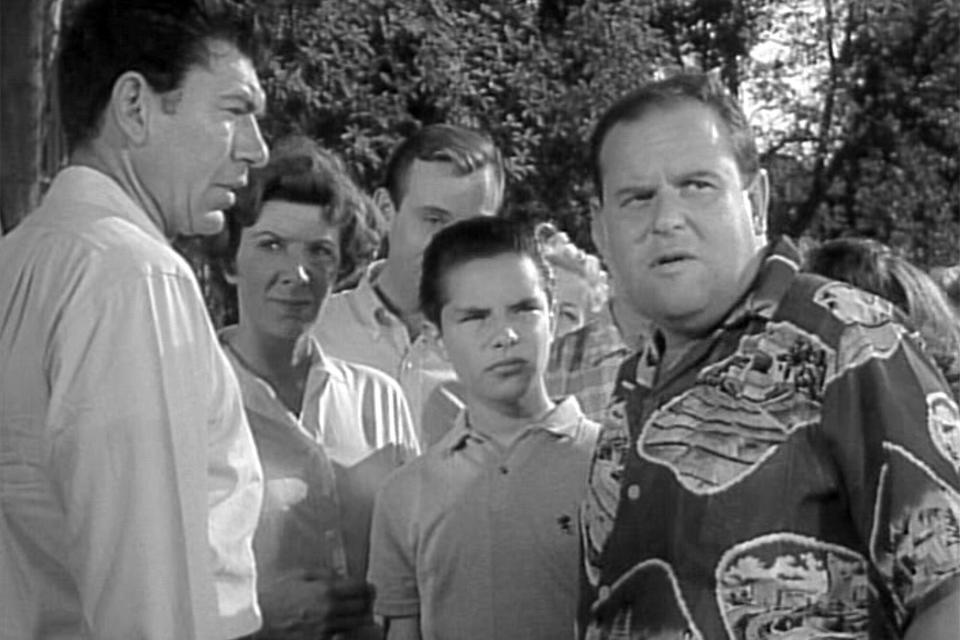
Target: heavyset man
129, 482
780, 455
439, 175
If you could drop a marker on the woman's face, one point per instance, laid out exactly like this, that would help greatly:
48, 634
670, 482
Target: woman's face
572, 301
286, 264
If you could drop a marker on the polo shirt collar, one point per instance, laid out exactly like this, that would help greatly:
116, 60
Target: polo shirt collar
777, 272
377, 313
562, 421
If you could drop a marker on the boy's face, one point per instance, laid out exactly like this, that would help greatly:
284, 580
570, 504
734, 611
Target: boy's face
495, 327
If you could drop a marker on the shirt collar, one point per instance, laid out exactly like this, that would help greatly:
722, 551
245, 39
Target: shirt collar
77, 183
377, 312
564, 420
308, 346
777, 272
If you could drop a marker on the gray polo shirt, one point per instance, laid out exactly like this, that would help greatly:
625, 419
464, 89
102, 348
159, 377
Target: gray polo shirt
482, 542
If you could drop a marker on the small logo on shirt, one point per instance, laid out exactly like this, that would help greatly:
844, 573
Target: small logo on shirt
566, 524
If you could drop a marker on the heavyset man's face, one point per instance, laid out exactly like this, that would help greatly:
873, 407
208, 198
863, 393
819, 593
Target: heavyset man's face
676, 224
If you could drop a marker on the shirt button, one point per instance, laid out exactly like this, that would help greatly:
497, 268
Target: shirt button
604, 592
633, 492
504, 470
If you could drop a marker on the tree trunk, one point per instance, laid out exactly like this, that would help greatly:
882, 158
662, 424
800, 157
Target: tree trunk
27, 35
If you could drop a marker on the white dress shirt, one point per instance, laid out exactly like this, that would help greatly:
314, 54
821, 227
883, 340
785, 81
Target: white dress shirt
129, 482
356, 325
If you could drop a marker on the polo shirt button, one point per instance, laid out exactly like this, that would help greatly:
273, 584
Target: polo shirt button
633, 492
604, 592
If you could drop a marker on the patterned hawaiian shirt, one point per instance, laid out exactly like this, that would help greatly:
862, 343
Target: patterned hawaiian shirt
795, 474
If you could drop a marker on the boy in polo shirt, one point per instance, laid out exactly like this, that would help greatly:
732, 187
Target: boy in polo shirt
477, 538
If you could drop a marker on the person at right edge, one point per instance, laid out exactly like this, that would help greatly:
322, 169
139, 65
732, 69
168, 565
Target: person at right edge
780, 457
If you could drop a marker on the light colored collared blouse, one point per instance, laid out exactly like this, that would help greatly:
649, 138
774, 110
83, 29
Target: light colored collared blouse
129, 481
353, 418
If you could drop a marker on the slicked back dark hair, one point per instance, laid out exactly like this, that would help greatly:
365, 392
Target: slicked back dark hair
468, 150
301, 172
475, 239
703, 88
160, 39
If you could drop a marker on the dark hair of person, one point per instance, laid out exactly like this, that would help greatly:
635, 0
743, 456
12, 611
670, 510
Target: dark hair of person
160, 39
872, 266
302, 172
466, 149
704, 88
475, 239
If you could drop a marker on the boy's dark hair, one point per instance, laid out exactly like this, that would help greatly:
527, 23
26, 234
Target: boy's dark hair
467, 149
302, 172
705, 88
161, 39
474, 239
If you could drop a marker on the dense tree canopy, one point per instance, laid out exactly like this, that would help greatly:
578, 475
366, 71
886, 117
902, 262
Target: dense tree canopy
855, 101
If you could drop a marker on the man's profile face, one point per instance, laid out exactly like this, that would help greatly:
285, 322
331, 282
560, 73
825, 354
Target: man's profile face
201, 146
436, 196
495, 328
676, 224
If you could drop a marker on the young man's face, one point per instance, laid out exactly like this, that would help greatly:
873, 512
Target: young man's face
436, 196
495, 327
201, 146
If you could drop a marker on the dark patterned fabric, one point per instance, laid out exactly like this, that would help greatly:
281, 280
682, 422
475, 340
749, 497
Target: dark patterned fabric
795, 474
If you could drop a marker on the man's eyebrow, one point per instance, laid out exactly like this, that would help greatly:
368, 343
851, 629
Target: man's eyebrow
633, 189
470, 309
526, 303
253, 101
435, 210
699, 173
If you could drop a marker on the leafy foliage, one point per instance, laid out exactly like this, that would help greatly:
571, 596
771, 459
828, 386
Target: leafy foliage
360, 76
855, 102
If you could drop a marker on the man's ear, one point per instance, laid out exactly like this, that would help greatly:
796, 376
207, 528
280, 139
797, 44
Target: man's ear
381, 197
758, 199
432, 333
129, 107
597, 231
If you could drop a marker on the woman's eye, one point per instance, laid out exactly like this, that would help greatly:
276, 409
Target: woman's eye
270, 245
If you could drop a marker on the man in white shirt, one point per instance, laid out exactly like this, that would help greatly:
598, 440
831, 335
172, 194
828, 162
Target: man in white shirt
439, 175
129, 481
